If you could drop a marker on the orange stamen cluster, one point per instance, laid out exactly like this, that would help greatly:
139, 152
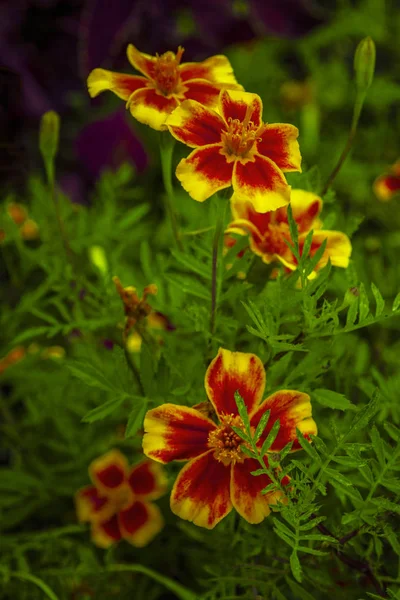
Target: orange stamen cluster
225, 442
166, 72
239, 138
275, 238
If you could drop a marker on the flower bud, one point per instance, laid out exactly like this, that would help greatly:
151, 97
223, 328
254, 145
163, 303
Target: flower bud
48, 135
364, 63
98, 258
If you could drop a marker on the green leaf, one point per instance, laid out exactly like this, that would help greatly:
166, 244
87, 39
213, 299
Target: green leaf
261, 425
363, 302
295, 566
28, 334
148, 368
396, 303
380, 303
314, 260
352, 313
332, 399
269, 440
363, 417
294, 233
284, 529
102, 411
377, 445
189, 285
307, 245
306, 445
242, 409
313, 551
135, 420
192, 264
89, 374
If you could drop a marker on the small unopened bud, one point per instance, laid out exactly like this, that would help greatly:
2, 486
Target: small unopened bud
364, 63
98, 258
48, 135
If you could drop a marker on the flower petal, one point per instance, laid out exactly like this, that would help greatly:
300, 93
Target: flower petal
234, 371
386, 186
205, 92
148, 480
306, 207
293, 409
195, 125
151, 108
204, 172
91, 506
260, 182
216, 68
140, 523
238, 105
246, 492
338, 247
279, 143
106, 533
175, 432
244, 212
122, 85
201, 491
141, 62
109, 472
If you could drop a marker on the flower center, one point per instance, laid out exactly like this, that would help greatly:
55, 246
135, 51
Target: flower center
239, 137
225, 442
274, 238
166, 72
122, 498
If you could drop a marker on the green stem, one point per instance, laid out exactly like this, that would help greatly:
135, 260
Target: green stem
353, 129
134, 370
218, 236
56, 205
167, 143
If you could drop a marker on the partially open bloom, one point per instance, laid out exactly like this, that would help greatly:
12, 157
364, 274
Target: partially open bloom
118, 504
165, 84
388, 185
269, 232
139, 315
234, 147
218, 476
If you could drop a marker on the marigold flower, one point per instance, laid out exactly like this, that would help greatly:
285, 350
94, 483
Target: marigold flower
269, 232
234, 147
218, 476
388, 185
165, 84
118, 503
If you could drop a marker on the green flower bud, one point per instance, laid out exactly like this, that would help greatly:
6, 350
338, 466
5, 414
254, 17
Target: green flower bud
364, 63
48, 135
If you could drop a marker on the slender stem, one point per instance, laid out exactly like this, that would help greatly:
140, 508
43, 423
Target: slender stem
167, 143
134, 370
60, 223
353, 129
219, 229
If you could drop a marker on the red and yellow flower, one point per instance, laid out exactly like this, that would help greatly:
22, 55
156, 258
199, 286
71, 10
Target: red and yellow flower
118, 504
233, 147
164, 84
388, 185
269, 232
218, 476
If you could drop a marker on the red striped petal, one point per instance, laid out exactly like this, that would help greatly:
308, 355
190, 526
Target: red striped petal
338, 248
260, 182
148, 480
109, 472
204, 172
234, 371
122, 85
175, 432
293, 409
91, 506
105, 534
195, 125
246, 492
201, 492
238, 105
205, 92
141, 61
279, 143
151, 108
306, 207
216, 68
140, 523
244, 211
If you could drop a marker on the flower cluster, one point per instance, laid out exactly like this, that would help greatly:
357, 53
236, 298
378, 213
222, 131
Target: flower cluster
118, 504
27, 228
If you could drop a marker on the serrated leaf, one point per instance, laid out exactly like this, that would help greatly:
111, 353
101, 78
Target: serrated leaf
102, 411
332, 399
363, 303
352, 313
242, 410
396, 303
261, 425
278, 525
349, 461
314, 260
313, 551
295, 566
135, 419
393, 431
271, 487
307, 245
188, 285
306, 445
242, 434
379, 301
294, 232
363, 417
192, 264
311, 524
89, 374
377, 445
269, 440
148, 368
